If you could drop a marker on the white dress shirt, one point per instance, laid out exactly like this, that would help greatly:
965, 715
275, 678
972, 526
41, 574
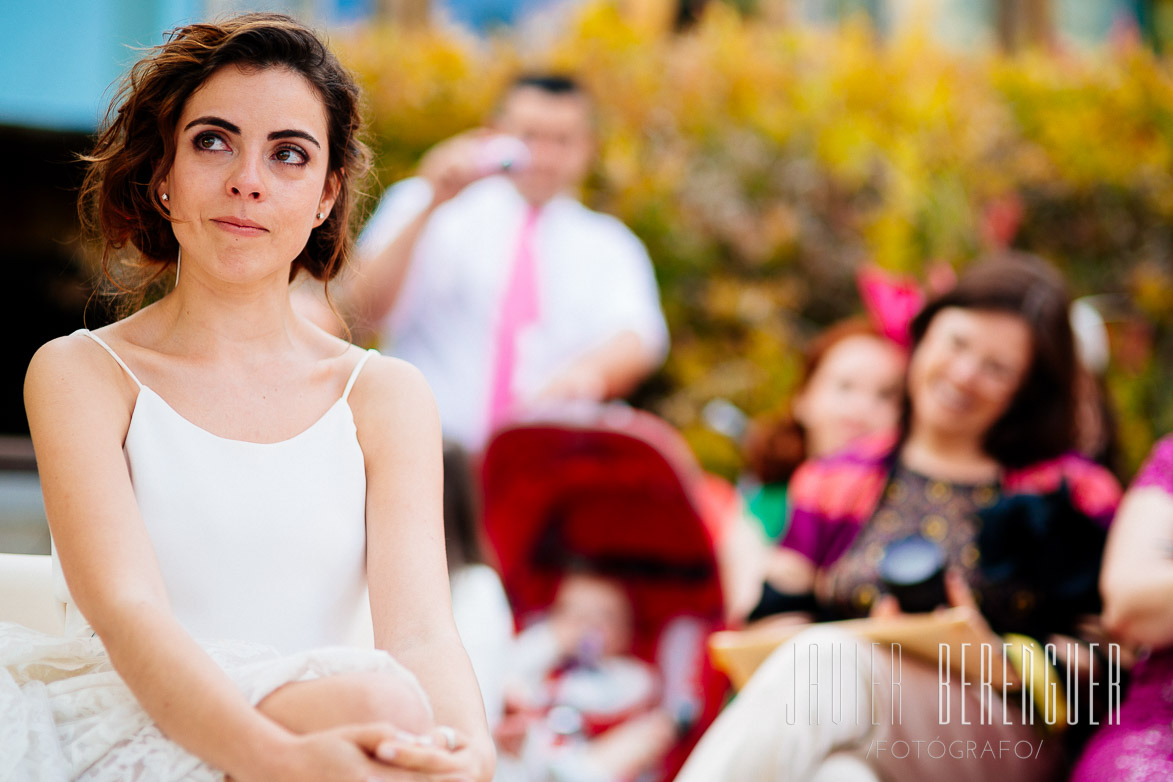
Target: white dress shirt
595, 281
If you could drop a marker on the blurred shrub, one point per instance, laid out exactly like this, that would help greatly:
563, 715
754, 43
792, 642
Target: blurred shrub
763, 166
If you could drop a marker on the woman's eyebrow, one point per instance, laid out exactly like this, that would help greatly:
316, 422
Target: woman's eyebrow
218, 122
294, 134
233, 128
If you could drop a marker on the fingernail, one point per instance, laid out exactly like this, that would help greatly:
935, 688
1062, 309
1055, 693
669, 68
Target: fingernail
414, 738
385, 751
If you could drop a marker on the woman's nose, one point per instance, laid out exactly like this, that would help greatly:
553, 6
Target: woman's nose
245, 178
964, 368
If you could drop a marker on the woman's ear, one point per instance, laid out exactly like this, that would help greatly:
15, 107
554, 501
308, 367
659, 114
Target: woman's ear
330, 193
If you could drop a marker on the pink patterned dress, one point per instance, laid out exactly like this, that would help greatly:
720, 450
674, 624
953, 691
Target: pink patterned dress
1140, 747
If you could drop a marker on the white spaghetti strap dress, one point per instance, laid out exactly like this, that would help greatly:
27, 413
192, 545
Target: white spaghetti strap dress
262, 550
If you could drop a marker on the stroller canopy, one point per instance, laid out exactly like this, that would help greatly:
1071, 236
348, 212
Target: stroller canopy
618, 495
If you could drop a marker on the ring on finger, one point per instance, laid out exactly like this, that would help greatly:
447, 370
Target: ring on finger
450, 738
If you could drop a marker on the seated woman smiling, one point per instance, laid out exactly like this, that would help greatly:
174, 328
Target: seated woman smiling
988, 418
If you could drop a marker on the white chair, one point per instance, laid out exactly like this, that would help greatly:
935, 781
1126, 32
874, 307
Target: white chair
26, 593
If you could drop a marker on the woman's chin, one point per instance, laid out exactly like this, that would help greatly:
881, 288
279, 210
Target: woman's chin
954, 424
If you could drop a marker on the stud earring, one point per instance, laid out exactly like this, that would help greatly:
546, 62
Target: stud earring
321, 215
165, 197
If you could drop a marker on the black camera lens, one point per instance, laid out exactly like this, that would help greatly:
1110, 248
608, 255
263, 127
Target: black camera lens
913, 571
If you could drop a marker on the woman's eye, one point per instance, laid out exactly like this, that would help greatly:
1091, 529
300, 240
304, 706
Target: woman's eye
210, 142
291, 155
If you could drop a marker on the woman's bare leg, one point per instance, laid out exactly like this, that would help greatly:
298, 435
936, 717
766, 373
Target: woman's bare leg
346, 699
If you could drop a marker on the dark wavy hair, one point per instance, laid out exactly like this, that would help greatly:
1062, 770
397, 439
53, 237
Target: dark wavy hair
135, 148
1040, 423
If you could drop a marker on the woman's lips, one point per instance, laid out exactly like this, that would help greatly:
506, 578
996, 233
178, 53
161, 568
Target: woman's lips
239, 226
952, 398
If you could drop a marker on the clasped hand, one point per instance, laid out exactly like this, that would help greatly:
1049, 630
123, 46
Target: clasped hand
378, 752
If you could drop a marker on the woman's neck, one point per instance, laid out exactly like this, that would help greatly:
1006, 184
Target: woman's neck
198, 318
957, 459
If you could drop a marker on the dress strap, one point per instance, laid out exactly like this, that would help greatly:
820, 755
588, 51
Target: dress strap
110, 350
354, 374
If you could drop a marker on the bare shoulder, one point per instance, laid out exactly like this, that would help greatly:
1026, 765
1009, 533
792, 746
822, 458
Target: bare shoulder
72, 381
386, 373
392, 397
74, 363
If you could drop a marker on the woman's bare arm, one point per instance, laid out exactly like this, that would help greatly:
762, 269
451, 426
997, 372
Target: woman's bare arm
1137, 579
399, 431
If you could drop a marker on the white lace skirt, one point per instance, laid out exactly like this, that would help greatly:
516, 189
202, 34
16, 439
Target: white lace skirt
66, 715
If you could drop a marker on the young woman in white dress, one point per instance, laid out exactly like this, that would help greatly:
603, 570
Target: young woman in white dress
222, 478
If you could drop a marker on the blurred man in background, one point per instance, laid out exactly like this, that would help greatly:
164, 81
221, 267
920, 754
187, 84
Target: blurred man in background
488, 274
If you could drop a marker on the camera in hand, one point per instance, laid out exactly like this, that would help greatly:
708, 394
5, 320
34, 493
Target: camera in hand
502, 154
913, 571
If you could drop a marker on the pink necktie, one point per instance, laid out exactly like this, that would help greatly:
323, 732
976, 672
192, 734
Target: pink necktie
519, 308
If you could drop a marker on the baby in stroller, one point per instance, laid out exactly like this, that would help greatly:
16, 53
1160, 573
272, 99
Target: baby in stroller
610, 566
584, 707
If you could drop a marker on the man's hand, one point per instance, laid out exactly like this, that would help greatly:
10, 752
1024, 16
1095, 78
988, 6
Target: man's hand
454, 164
579, 382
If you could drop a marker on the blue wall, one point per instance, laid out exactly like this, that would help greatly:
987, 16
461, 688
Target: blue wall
59, 58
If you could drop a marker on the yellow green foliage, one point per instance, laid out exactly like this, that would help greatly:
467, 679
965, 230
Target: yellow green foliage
764, 166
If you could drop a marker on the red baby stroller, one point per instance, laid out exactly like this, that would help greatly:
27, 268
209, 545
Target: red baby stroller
621, 492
